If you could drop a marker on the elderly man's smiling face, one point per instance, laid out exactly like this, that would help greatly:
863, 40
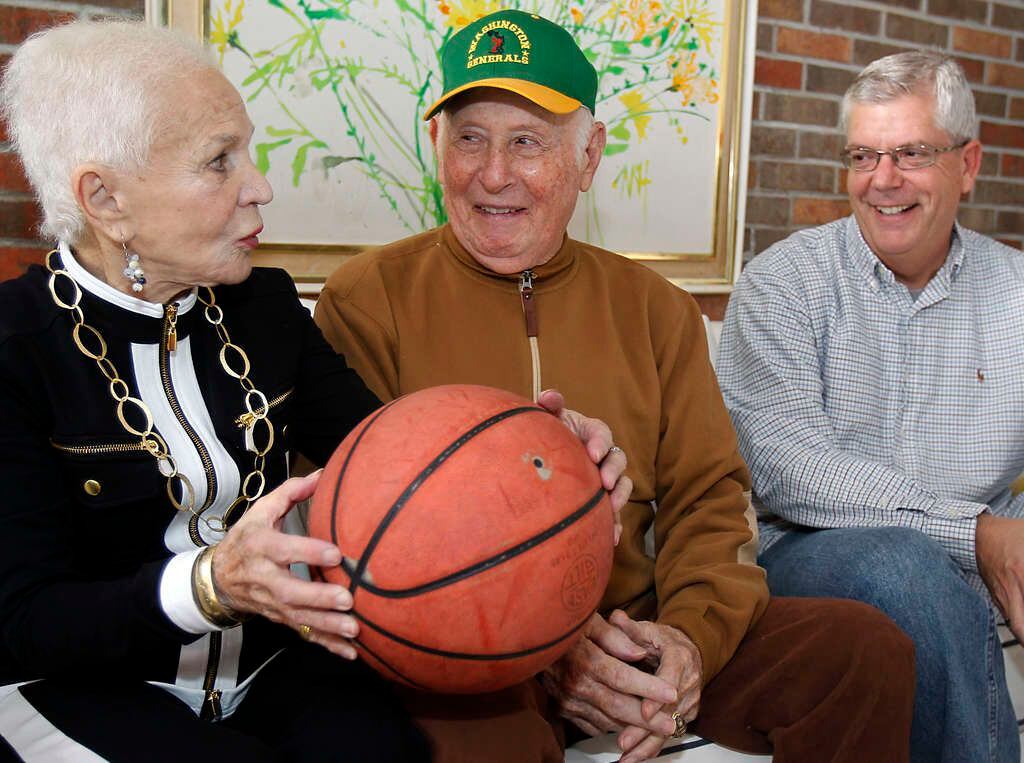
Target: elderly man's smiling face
511, 173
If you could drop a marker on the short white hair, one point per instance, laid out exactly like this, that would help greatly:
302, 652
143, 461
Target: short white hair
582, 121
918, 72
89, 91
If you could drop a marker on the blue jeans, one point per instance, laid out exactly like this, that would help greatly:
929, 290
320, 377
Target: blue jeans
962, 709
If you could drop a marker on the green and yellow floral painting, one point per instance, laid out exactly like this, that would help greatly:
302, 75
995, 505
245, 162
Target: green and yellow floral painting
337, 90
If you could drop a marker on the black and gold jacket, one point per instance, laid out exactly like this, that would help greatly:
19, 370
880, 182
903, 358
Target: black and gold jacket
86, 526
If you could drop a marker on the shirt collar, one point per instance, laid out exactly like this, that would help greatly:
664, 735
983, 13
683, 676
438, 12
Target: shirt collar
867, 262
555, 270
104, 291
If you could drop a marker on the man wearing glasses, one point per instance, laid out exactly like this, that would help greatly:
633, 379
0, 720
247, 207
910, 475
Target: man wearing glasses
874, 370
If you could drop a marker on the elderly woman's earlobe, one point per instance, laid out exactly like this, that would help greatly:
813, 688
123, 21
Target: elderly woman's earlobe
94, 191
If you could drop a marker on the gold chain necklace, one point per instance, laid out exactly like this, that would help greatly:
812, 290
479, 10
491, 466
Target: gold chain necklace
230, 353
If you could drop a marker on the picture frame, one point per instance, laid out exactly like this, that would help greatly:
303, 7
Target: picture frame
675, 94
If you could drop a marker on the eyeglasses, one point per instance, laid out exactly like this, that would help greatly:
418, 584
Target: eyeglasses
861, 159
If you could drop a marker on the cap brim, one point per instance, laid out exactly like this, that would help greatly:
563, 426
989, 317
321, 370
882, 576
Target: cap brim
545, 97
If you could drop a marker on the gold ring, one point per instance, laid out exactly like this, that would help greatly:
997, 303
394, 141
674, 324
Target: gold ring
305, 631
680, 725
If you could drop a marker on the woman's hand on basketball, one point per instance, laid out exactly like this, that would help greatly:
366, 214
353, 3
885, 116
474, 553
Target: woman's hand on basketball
251, 572
677, 661
599, 691
597, 438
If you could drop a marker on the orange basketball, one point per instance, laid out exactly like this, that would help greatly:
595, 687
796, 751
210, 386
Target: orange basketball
476, 536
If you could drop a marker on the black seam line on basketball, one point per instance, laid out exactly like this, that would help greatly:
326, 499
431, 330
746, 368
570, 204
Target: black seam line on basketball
481, 656
356, 578
362, 645
344, 468
486, 564
684, 746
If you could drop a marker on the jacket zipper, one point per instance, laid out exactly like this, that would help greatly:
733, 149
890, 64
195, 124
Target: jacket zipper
171, 326
245, 420
95, 450
170, 343
212, 710
528, 299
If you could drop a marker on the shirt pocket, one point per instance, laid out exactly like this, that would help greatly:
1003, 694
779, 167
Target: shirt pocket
106, 472
278, 410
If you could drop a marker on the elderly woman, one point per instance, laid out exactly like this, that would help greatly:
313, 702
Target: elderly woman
151, 386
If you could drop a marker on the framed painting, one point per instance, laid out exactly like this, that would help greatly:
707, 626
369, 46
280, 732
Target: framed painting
337, 90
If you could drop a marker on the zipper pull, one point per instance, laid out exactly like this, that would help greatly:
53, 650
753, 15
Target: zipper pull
211, 710
526, 295
171, 326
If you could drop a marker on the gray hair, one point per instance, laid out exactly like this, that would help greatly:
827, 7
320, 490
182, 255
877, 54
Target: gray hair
88, 91
582, 121
919, 72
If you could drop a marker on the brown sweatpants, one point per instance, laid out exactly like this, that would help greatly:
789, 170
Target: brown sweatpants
815, 681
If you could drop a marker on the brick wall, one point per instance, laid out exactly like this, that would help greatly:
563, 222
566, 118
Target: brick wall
18, 212
808, 52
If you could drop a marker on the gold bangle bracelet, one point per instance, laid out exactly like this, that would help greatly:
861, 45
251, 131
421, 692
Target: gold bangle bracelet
205, 592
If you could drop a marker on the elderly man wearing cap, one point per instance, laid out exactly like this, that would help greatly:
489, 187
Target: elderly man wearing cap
501, 296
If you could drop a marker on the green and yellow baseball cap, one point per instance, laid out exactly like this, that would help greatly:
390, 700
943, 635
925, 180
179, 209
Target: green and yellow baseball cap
521, 52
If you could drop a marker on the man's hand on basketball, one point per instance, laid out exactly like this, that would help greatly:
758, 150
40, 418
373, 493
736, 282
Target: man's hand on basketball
599, 691
251, 572
597, 438
677, 661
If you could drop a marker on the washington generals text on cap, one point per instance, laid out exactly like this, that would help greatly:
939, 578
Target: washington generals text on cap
521, 52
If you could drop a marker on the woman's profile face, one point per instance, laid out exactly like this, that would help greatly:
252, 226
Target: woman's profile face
194, 208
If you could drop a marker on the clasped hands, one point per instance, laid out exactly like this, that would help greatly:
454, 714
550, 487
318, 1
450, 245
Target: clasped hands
604, 683
251, 564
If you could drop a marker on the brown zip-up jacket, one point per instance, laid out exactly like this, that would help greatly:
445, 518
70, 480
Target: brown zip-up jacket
622, 344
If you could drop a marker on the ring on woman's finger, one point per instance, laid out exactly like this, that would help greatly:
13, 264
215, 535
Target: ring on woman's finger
615, 449
305, 631
680, 724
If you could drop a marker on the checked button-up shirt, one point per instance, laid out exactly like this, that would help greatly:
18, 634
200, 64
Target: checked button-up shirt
860, 404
